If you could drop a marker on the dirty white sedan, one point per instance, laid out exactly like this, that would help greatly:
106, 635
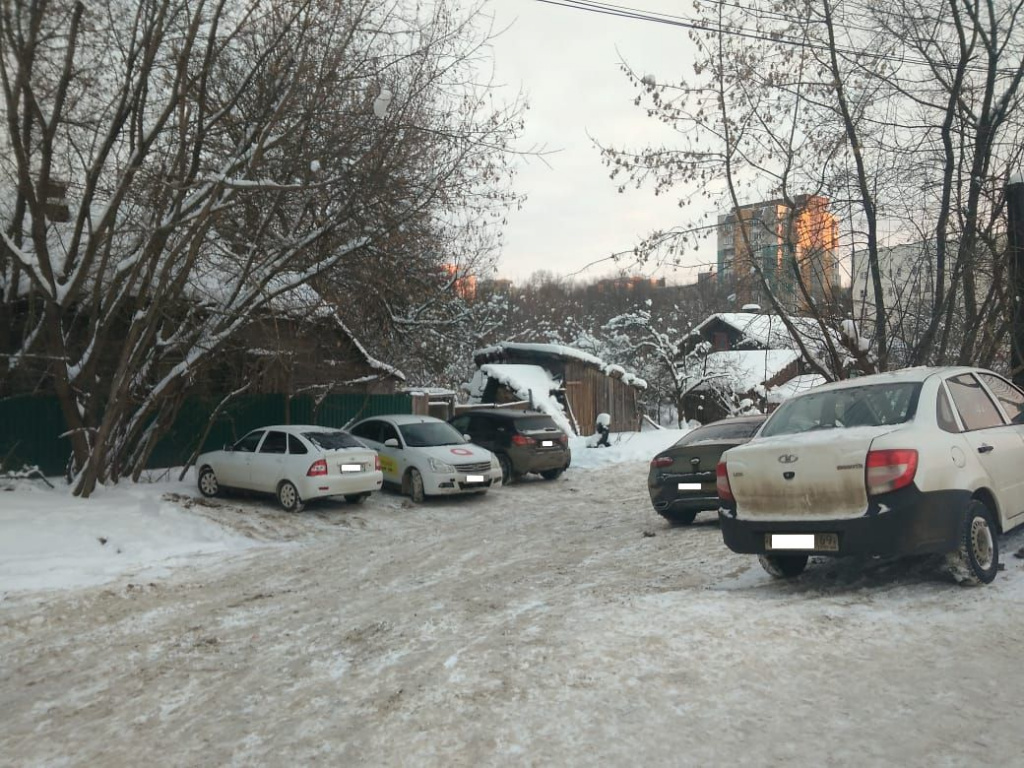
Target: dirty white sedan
296, 463
425, 456
919, 461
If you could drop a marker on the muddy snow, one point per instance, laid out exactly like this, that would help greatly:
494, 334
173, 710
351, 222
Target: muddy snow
547, 623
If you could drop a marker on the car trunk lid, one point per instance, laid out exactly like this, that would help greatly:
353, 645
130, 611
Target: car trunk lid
349, 461
696, 462
807, 476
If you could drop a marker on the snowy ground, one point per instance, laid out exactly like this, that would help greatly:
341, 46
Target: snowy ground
548, 623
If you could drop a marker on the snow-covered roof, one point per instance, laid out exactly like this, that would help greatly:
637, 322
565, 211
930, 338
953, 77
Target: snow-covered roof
528, 382
769, 331
747, 369
564, 352
430, 391
795, 386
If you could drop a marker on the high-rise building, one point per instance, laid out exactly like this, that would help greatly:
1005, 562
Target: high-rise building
784, 242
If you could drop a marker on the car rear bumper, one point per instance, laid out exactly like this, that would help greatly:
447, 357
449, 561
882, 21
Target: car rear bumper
698, 502
526, 460
336, 485
905, 522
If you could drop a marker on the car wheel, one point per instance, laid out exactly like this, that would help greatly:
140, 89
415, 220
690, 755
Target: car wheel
551, 474
679, 518
289, 497
208, 485
506, 469
356, 498
416, 486
977, 559
783, 566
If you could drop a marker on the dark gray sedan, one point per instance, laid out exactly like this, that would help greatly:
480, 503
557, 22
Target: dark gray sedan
682, 478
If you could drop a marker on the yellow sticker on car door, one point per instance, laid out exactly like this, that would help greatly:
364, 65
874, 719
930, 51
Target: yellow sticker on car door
388, 465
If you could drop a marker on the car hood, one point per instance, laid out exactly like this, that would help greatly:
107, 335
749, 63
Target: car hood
465, 453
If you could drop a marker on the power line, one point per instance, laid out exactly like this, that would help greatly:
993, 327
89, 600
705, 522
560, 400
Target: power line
635, 14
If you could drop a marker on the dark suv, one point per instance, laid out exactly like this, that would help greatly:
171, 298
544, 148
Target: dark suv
523, 441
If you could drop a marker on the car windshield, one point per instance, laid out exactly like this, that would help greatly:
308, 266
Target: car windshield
722, 430
867, 406
430, 433
333, 440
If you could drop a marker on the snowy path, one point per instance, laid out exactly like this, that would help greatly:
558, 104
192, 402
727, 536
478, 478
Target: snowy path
541, 625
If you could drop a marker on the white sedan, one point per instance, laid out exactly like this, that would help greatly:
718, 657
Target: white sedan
296, 463
919, 461
425, 456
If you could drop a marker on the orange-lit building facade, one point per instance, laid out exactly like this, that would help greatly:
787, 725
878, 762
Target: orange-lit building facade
783, 242
465, 286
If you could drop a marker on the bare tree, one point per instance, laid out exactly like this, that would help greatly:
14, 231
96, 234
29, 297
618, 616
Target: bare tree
214, 160
905, 118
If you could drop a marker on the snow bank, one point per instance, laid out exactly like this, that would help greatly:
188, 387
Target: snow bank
50, 539
625, 447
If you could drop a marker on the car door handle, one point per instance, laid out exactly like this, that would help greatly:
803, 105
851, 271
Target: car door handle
985, 448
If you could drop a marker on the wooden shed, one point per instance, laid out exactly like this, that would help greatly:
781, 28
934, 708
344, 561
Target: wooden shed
584, 385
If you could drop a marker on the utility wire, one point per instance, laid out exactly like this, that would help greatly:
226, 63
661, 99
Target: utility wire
627, 12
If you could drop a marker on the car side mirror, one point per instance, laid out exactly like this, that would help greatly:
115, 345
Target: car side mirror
228, 447
468, 438
391, 442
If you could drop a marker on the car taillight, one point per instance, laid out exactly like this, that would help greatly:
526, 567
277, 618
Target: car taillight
722, 481
563, 439
661, 461
376, 463
317, 468
522, 440
890, 470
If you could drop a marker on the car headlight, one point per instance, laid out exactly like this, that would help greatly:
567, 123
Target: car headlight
494, 462
440, 466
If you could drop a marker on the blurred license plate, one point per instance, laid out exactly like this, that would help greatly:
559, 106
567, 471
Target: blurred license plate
547, 443
474, 478
689, 486
819, 542
351, 467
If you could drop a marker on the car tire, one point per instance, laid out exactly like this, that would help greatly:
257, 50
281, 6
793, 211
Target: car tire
208, 485
507, 475
552, 474
783, 566
288, 497
416, 491
976, 561
356, 498
679, 518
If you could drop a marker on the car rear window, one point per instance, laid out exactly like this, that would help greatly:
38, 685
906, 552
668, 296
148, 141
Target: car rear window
531, 423
332, 441
726, 430
868, 406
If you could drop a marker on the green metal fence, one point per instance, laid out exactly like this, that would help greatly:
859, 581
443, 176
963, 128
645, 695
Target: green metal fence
30, 426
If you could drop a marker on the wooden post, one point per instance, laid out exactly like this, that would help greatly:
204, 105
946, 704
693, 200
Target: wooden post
1015, 227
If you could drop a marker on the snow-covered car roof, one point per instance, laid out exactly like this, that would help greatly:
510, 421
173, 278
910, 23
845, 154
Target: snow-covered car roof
919, 373
298, 429
405, 418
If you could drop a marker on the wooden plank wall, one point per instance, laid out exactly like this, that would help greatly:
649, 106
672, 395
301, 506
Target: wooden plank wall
591, 392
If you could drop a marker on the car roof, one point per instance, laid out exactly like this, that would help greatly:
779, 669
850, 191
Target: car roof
903, 375
503, 413
296, 429
735, 420
405, 418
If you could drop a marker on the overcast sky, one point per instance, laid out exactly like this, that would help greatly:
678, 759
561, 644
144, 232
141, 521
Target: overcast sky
566, 62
